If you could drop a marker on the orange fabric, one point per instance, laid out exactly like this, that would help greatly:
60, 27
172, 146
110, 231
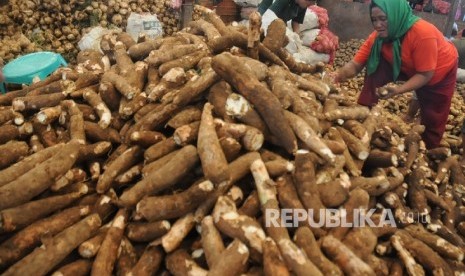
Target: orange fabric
424, 48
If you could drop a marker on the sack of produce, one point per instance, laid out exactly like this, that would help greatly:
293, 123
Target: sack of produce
310, 56
91, 40
309, 36
146, 23
310, 21
322, 14
326, 42
248, 3
246, 11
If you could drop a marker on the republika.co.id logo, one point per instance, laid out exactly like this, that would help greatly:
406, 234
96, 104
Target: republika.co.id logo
328, 218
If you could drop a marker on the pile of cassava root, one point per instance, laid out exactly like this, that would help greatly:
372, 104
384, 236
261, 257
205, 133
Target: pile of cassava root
167, 162
57, 26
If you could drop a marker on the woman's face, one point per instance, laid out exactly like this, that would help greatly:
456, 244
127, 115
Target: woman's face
380, 22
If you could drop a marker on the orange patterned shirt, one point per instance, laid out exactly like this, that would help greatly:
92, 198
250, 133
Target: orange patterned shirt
424, 48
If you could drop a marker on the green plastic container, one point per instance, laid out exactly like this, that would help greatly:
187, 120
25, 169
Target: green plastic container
24, 69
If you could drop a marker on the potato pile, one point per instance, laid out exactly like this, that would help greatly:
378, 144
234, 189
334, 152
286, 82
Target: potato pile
346, 51
18, 44
58, 25
172, 155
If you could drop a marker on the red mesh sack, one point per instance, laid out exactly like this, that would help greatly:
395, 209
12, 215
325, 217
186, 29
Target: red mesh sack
322, 14
326, 42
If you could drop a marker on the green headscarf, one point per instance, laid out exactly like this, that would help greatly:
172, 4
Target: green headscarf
400, 19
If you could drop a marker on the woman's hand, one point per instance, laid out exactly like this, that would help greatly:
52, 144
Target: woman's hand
388, 91
349, 70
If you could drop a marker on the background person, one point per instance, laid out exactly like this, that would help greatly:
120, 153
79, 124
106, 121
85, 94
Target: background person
406, 47
284, 9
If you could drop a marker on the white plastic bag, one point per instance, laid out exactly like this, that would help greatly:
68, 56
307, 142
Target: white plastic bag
268, 17
295, 43
145, 23
460, 75
310, 21
246, 11
308, 36
309, 56
91, 40
248, 3
244, 22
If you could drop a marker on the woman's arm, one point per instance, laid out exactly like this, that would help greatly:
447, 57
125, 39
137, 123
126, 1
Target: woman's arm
349, 70
264, 5
295, 26
418, 80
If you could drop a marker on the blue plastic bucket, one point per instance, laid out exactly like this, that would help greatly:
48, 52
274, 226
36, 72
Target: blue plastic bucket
24, 69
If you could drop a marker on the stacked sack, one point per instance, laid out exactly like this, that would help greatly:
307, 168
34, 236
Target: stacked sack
314, 43
247, 7
316, 34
